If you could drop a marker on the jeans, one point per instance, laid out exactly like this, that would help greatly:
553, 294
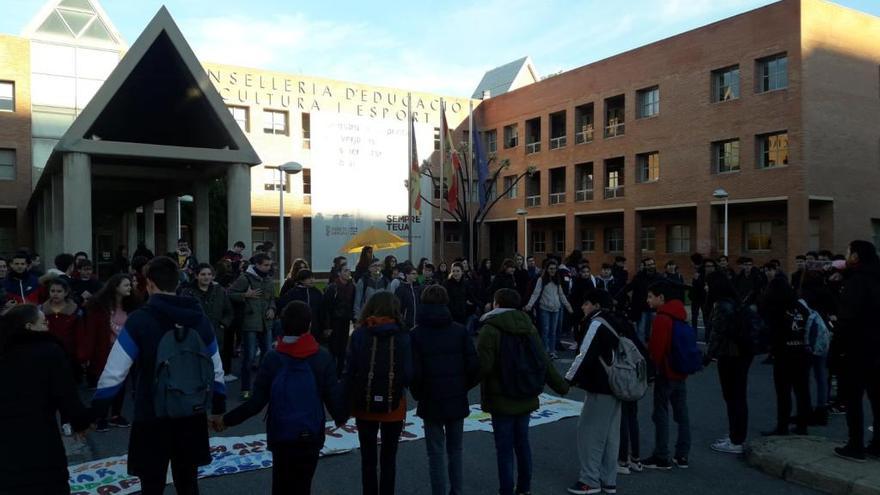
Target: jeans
185, 478
375, 483
444, 439
733, 373
250, 341
598, 440
820, 374
630, 446
549, 321
512, 437
672, 392
644, 327
791, 373
293, 467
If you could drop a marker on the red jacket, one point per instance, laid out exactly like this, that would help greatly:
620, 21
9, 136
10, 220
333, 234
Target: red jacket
97, 339
66, 325
661, 337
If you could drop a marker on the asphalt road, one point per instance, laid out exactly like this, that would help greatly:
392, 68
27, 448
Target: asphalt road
553, 449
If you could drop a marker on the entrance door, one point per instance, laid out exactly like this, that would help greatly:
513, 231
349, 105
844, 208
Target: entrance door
105, 246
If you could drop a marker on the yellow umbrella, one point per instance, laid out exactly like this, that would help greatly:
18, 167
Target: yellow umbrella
378, 238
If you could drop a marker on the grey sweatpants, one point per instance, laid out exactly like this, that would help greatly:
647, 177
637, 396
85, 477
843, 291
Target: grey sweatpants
598, 440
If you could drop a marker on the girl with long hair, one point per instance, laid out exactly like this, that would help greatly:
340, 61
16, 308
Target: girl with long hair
291, 281
363, 264
550, 299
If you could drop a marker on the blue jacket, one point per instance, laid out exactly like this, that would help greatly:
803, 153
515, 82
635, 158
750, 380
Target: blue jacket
137, 345
445, 365
24, 289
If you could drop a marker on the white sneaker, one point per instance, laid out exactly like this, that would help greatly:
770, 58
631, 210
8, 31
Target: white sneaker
230, 378
623, 469
722, 440
67, 430
727, 448
636, 466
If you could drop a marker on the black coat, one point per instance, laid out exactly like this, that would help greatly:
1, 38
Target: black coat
501, 281
586, 371
857, 315
410, 296
310, 296
37, 384
445, 365
461, 299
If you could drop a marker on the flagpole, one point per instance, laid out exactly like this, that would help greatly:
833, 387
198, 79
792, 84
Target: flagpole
442, 167
471, 185
409, 155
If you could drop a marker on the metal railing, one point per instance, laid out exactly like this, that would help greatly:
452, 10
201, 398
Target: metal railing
614, 130
533, 147
583, 195
557, 142
556, 198
583, 137
613, 192
532, 201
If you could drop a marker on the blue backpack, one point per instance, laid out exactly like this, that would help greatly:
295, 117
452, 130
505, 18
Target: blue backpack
295, 409
685, 358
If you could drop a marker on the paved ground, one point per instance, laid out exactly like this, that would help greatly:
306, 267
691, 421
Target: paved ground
554, 452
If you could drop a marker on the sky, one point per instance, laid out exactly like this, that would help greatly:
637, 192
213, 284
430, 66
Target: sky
435, 46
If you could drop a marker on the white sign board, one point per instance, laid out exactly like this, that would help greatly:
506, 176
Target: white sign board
359, 170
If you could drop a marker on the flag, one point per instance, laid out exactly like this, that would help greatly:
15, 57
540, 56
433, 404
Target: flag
453, 165
415, 189
482, 168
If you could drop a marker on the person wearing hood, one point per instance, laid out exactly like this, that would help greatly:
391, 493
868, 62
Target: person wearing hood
304, 290
510, 415
294, 460
462, 300
37, 385
860, 339
155, 440
217, 307
669, 387
378, 369
254, 290
370, 283
21, 284
410, 294
338, 309
445, 367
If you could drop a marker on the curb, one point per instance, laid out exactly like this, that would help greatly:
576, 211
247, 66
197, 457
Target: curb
810, 461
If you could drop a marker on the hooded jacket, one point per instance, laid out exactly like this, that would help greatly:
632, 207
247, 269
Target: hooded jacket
324, 370
461, 299
724, 341
66, 326
445, 365
23, 288
509, 321
37, 383
254, 309
410, 296
660, 344
138, 344
857, 315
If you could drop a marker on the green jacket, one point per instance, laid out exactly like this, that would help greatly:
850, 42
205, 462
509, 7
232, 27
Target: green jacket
494, 401
254, 309
216, 305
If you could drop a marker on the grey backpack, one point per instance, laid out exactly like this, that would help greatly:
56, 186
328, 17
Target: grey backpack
184, 375
628, 370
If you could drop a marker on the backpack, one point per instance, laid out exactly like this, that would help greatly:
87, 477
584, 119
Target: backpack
797, 320
523, 368
819, 337
295, 409
628, 370
184, 374
752, 334
685, 358
379, 390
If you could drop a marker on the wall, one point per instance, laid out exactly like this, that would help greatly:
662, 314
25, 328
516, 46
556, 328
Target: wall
15, 132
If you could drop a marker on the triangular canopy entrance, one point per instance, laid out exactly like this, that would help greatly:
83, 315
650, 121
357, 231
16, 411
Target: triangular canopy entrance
82, 22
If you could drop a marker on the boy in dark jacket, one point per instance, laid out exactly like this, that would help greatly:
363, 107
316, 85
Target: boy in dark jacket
294, 461
338, 309
409, 292
445, 367
510, 415
304, 290
217, 307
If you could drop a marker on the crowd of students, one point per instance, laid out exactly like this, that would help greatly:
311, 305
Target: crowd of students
167, 328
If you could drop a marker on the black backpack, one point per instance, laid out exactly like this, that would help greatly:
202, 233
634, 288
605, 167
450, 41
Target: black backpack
523, 367
379, 388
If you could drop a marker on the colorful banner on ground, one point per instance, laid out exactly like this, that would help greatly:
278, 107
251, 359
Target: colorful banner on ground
233, 455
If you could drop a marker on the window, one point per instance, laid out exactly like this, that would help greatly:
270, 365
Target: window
648, 165
757, 236
614, 239
538, 244
272, 181
557, 185
648, 239
452, 236
557, 130
773, 150
588, 240
725, 84
614, 116
307, 181
583, 176
533, 190
492, 141
648, 101
274, 122
678, 239
583, 124
533, 135
7, 96
306, 131
725, 156
436, 139
511, 136
7, 164
559, 241
614, 178
242, 117
772, 73
511, 186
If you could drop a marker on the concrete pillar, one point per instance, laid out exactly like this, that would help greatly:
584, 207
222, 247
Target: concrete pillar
797, 228
56, 239
131, 227
704, 228
46, 220
570, 230
202, 221
295, 246
150, 226
77, 203
172, 222
632, 226
238, 204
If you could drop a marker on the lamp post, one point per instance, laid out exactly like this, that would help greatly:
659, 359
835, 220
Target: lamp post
720, 193
523, 212
286, 168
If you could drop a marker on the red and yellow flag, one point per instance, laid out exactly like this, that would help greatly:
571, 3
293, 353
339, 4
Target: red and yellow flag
452, 165
415, 189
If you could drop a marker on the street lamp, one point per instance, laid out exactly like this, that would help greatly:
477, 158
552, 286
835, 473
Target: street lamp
720, 193
523, 212
286, 168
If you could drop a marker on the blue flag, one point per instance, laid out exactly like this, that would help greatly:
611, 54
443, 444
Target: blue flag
482, 169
